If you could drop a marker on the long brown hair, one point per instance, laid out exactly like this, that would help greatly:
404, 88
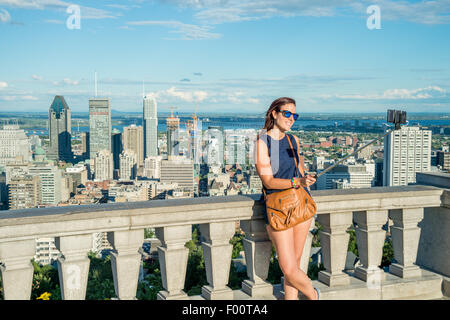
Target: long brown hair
276, 105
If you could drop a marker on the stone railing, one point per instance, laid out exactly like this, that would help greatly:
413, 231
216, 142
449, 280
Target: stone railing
367, 210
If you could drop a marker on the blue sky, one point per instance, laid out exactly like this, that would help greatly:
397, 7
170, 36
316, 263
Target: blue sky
227, 55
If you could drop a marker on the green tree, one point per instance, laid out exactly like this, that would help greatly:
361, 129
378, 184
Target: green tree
149, 287
388, 253
100, 284
45, 279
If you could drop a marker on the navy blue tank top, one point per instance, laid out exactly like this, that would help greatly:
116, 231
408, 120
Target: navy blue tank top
281, 158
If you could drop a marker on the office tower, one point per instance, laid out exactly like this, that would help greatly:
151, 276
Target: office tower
99, 126
50, 182
24, 192
17, 168
406, 151
350, 176
85, 145
133, 140
103, 163
59, 128
79, 176
3, 192
179, 170
235, 148
318, 163
443, 160
46, 251
152, 167
215, 147
173, 143
117, 147
128, 165
150, 123
13, 143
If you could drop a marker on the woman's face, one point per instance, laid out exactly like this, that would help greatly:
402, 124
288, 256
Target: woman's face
283, 123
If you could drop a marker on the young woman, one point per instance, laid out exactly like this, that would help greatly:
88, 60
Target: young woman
276, 167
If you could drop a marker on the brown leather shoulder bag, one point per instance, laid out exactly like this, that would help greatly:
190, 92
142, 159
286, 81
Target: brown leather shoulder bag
289, 207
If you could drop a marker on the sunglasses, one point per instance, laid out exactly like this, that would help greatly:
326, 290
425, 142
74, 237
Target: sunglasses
288, 114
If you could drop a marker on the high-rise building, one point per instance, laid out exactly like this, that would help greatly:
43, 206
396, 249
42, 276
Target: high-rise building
50, 182
99, 126
150, 127
117, 147
173, 143
128, 165
443, 159
133, 140
24, 192
152, 167
235, 147
179, 170
406, 151
13, 143
103, 163
348, 176
59, 128
215, 147
85, 145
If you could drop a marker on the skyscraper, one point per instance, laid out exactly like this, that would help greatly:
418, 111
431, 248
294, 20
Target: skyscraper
128, 165
59, 128
173, 125
99, 126
179, 170
13, 143
117, 147
24, 192
150, 127
50, 182
103, 163
133, 140
406, 151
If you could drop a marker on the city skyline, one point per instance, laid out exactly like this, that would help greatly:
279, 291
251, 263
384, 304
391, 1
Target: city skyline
227, 56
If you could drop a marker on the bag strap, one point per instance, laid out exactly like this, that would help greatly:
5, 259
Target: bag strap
295, 157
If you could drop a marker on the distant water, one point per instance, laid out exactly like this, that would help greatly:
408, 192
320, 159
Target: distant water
231, 123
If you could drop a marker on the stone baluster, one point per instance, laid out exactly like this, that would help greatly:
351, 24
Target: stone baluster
217, 251
17, 270
73, 266
126, 261
173, 257
405, 240
370, 238
334, 242
258, 249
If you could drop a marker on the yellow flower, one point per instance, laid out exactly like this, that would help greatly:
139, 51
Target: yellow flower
45, 296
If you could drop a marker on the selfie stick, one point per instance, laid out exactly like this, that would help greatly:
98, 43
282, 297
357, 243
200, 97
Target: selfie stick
394, 116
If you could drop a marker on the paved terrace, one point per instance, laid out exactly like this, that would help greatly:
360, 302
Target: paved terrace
418, 218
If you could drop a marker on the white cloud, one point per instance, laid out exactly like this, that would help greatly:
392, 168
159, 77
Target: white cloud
86, 12
8, 98
4, 16
223, 11
430, 92
29, 98
66, 81
35, 77
14, 98
187, 31
3, 85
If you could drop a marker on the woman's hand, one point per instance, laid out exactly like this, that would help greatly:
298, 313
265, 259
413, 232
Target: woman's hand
306, 181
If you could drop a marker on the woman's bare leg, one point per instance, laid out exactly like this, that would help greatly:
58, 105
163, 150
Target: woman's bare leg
289, 246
